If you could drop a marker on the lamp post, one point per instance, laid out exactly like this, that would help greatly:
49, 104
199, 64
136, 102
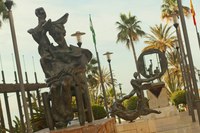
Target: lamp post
78, 35
198, 74
90, 118
184, 69
107, 54
120, 88
9, 4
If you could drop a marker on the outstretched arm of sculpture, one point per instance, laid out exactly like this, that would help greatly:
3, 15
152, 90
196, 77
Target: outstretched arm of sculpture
151, 78
127, 96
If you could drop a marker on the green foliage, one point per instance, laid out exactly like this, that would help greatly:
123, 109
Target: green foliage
131, 103
178, 97
3, 130
18, 125
99, 112
38, 121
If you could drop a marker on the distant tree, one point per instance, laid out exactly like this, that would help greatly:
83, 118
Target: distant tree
94, 82
3, 12
129, 32
175, 80
170, 8
161, 38
107, 82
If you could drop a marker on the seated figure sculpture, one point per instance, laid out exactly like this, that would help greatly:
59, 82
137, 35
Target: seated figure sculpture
63, 65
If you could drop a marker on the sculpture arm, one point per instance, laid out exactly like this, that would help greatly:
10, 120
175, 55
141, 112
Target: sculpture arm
151, 78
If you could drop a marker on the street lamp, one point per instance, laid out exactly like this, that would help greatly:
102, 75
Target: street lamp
78, 35
9, 4
198, 74
107, 54
120, 88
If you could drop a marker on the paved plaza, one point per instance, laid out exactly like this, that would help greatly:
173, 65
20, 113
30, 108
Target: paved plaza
181, 123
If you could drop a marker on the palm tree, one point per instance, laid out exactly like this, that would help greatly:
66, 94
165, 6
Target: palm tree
107, 81
92, 66
170, 8
91, 70
176, 77
129, 32
170, 12
160, 38
163, 39
3, 12
95, 83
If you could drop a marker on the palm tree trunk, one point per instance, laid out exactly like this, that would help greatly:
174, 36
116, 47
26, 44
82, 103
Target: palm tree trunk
134, 53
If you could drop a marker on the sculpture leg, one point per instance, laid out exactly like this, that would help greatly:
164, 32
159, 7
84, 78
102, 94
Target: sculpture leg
67, 83
61, 110
80, 105
57, 103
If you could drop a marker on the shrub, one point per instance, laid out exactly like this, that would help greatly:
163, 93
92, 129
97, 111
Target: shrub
99, 112
131, 103
178, 97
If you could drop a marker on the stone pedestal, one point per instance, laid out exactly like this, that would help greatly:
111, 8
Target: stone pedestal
157, 102
98, 126
139, 126
168, 111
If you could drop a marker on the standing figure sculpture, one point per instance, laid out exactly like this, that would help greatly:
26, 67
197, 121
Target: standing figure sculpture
63, 65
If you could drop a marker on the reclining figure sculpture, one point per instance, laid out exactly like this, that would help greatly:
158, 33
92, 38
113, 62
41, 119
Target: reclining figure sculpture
142, 104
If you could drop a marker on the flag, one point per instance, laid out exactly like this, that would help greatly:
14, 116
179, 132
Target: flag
93, 32
193, 12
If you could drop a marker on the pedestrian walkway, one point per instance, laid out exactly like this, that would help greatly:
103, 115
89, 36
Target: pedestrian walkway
181, 123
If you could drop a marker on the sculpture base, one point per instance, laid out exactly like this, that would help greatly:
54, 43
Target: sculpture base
97, 126
139, 126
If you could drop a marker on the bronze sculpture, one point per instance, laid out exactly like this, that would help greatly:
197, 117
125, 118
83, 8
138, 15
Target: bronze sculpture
63, 65
139, 85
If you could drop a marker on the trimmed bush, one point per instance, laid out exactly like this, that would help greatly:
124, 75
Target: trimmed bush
98, 111
131, 103
178, 97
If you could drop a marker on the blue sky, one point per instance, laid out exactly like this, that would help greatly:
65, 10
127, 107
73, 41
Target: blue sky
104, 15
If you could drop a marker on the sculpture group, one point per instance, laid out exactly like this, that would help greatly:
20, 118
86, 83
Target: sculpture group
64, 68
139, 85
63, 65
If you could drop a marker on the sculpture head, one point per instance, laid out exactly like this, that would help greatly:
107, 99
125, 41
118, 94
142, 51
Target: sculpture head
40, 13
56, 29
135, 75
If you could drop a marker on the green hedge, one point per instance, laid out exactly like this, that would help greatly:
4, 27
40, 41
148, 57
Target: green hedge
99, 112
178, 97
131, 103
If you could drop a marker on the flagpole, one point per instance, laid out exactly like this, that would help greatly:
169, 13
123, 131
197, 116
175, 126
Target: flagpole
198, 37
191, 64
194, 20
99, 67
